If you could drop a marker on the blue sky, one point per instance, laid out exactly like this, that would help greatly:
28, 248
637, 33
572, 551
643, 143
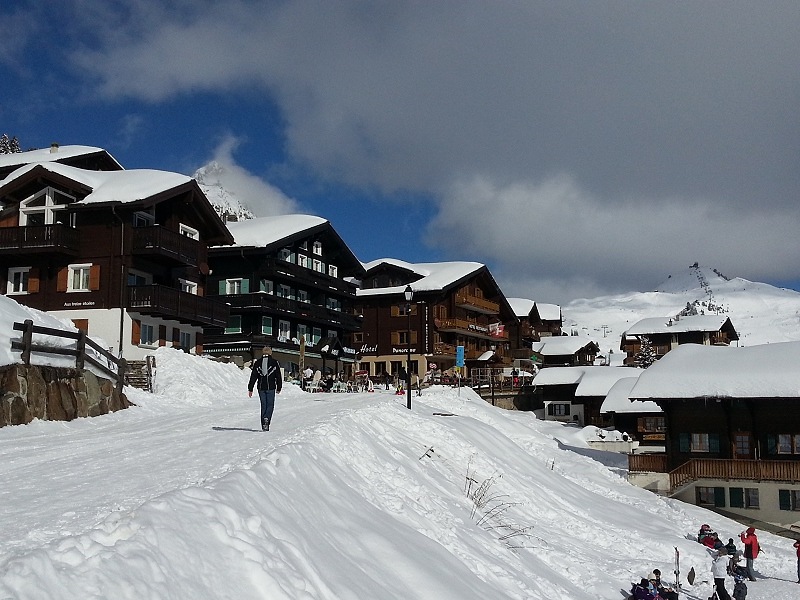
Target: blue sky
577, 149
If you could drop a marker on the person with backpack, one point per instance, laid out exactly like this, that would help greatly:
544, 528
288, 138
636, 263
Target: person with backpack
751, 550
266, 377
739, 588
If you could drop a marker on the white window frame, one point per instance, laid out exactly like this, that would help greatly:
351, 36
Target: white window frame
284, 330
189, 232
302, 296
49, 208
233, 286
333, 271
185, 340
266, 286
286, 255
18, 277
317, 248
190, 287
83, 273
147, 335
266, 325
234, 324
302, 261
318, 266
302, 330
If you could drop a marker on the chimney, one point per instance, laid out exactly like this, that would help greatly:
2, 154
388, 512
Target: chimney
53, 148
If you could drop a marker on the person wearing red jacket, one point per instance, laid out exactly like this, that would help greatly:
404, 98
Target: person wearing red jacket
797, 545
751, 549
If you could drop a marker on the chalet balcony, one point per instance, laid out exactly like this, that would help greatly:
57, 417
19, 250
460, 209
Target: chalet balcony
716, 468
476, 304
270, 304
55, 238
442, 350
308, 276
158, 241
470, 328
171, 303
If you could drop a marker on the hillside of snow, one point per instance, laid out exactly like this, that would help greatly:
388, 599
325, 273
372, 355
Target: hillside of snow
227, 204
760, 313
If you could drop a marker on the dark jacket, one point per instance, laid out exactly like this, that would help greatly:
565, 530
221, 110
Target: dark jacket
267, 374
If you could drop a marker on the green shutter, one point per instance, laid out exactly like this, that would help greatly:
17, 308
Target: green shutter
683, 442
713, 444
737, 497
719, 497
245, 286
772, 444
784, 500
223, 287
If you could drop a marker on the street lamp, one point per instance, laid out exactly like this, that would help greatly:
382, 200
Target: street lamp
409, 294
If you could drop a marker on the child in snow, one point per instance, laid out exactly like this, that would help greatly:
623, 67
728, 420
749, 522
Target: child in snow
665, 591
705, 530
739, 588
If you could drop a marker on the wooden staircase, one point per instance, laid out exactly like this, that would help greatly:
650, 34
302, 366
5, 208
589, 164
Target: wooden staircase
141, 373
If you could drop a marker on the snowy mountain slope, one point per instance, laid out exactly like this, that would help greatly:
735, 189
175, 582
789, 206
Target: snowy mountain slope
209, 178
349, 497
761, 313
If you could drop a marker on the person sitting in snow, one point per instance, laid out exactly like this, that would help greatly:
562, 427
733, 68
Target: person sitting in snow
705, 531
646, 589
665, 591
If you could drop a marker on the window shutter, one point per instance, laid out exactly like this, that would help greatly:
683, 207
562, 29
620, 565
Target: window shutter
737, 497
784, 500
550, 410
395, 310
223, 287
683, 442
413, 337
136, 332
713, 443
719, 497
772, 444
198, 343
395, 338
162, 335
640, 426
63, 276
245, 286
176, 337
33, 280
94, 277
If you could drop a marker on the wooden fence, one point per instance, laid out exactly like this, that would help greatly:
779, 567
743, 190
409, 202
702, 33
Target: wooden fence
114, 368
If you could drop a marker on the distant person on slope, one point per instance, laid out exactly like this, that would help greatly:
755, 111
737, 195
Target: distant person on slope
267, 374
751, 549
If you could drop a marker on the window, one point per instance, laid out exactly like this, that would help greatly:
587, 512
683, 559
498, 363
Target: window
302, 296
316, 335
699, 442
318, 266
18, 280
302, 330
147, 335
234, 324
742, 444
333, 304
652, 425
302, 260
190, 287
138, 278
266, 325
233, 286
404, 338
559, 409
143, 219
304, 245
789, 499
358, 338
286, 254
265, 285
785, 444
78, 278
317, 249
44, 208
333, 333
284, 291
186, 340
333, 271
710, 496
743, 497
189, 232
284, 330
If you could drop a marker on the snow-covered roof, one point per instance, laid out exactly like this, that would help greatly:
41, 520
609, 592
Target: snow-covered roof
549, 312
522, 307
109, 186
46, 155
433, 276
618, 398
670, 325
697, 371
560, 345
265, 231
591, 380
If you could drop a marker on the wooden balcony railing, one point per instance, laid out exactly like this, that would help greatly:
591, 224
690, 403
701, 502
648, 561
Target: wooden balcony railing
39, 238
749, 470
477, 304
470, 328
647, 463
159, 241
175, 304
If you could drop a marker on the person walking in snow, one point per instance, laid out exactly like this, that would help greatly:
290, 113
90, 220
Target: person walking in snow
751, 550
266, 377
719, 570
797, 547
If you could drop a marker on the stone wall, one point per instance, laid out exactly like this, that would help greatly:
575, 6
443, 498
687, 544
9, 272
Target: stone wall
54, 394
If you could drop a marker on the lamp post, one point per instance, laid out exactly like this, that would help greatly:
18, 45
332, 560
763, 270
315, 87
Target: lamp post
409, 294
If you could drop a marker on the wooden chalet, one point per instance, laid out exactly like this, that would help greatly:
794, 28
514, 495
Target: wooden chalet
643, 421
666, 333
123, 254
565, 351
575, 394
83, 157
454, 304
535, 321
288, 282
732, 429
